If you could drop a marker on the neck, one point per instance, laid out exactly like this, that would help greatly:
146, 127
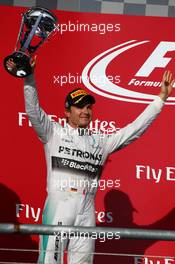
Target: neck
75, 125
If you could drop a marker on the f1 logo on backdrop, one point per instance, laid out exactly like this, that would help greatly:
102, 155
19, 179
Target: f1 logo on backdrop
98, 65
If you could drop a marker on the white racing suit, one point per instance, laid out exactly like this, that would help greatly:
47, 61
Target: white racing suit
74, 164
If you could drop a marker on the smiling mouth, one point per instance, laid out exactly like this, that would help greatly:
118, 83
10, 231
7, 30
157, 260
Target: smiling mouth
85, 117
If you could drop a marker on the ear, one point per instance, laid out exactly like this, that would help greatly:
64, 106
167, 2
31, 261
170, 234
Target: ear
67, 112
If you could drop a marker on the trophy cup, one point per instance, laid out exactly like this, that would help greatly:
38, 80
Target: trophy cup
37, 25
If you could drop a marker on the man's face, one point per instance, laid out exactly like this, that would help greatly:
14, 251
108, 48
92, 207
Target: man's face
79, 117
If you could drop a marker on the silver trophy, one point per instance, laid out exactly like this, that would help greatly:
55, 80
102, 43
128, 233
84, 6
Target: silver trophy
37, 25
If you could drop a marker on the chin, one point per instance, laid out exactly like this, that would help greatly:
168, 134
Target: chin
84, 124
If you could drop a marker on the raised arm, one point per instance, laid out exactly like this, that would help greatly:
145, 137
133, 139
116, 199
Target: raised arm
39, 119
134, 130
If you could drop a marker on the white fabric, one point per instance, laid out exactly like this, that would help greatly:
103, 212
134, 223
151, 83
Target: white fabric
75, 161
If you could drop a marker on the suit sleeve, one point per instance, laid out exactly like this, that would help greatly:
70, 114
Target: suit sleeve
135, 129
39, 119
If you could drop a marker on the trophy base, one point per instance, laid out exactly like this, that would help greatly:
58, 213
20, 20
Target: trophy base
22, 67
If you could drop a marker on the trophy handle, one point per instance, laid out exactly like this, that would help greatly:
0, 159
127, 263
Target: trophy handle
31, 34
22, 64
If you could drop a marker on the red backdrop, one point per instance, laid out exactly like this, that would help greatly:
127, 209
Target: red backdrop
145, 170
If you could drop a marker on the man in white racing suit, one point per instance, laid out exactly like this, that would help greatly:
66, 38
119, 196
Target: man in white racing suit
75, 157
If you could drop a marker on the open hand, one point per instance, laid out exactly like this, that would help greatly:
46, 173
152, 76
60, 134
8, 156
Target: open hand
167, 85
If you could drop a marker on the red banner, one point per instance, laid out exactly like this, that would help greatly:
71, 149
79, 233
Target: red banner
120, 60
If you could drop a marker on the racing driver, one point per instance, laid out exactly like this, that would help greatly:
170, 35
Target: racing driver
75, 157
